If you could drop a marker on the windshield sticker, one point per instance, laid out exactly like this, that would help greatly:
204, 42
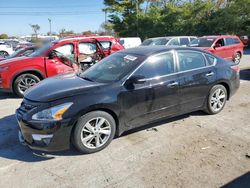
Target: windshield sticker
130, 57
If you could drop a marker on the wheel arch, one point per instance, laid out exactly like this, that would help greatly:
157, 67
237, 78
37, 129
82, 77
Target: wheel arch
37, 73
227, 86
104, 109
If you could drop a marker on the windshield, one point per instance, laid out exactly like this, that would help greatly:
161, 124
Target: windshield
112, 68
42, 50
159, 41
202, 42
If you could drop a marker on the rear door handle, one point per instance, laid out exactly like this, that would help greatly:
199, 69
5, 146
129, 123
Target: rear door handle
210, 74
173, 84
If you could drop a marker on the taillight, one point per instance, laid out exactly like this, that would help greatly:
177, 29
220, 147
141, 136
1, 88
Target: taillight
235, 68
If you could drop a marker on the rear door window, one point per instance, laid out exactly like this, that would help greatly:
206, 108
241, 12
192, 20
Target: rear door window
189, 60
229, 41
236, 41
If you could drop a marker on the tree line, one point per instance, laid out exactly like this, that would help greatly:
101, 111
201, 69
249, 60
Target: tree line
154, 18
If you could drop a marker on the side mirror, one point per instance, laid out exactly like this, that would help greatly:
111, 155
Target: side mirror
52, 55
136, 79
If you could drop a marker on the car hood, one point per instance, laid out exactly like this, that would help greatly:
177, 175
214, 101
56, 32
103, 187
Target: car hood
59, 87
14, 60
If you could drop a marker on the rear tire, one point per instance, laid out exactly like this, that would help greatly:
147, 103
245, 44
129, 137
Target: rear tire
24, 82
93, 132
217, 99
237, 58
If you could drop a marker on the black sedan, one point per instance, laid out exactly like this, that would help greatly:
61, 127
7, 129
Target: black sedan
128, 89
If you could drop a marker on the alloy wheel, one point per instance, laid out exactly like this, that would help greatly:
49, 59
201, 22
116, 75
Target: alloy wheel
237, 59
218, 100
25, 83
95, 133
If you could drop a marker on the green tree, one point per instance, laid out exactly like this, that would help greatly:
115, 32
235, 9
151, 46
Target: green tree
4, 36
35, 28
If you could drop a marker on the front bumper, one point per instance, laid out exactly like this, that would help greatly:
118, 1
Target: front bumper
45, 136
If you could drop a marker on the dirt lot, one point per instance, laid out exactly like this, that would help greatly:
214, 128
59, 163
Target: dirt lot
194, 150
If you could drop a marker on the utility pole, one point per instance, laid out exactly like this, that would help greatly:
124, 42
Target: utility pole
49, 26
137, 24
105, 23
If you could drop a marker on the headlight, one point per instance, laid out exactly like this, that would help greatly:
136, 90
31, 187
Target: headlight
3, 68
53, 113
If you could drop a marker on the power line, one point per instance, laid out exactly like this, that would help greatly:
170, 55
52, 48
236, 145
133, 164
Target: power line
50, 13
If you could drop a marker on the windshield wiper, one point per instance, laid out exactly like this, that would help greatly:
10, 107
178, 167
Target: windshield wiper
86, 78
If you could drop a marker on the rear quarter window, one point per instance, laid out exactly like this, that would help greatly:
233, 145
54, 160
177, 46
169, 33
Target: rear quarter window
210, 60
236, 41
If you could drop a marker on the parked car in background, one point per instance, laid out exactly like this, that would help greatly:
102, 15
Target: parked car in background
21, 52
5, 50
169, 41
57, 57
244, 40
226, 46
24, 44
130, 42
125, 90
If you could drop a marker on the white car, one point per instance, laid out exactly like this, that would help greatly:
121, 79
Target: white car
130, 42
5, 50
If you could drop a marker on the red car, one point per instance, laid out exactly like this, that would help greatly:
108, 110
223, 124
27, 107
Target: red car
58, 57
225, 46
21, 52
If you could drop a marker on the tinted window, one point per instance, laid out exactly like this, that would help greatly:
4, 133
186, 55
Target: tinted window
229, 41
202, 42
190, 60
157, 66
184, 41
174, 42
210, 59
146, 42
160, 42
236, 41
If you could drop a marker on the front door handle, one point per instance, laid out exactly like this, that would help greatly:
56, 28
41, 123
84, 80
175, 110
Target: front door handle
210, 74
173, 84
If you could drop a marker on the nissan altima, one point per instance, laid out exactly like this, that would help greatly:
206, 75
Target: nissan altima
128, 89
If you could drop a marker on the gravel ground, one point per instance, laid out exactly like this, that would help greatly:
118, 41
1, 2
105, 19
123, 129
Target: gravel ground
194, 150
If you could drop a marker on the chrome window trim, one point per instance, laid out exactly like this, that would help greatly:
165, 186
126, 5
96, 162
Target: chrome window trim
203, 54
176, 64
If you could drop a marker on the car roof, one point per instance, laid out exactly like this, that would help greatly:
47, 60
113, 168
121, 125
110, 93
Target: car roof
89, 37
150, 50
170, 37
218, 36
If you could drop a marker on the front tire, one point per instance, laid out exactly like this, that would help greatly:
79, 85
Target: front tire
94, 131
217, 99
24, 82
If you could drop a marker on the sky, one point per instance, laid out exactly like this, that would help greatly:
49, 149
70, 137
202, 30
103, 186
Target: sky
77, 15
